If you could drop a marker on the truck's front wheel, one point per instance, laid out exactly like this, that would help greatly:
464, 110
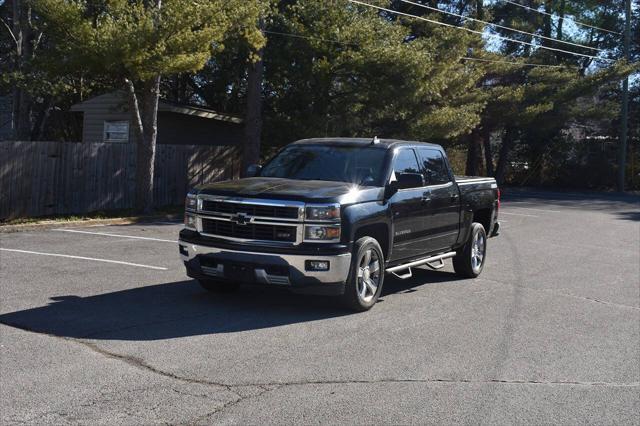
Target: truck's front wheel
366, 275
469, 260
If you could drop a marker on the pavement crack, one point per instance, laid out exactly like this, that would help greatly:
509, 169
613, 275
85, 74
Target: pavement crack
560, 293
440, 380
133, 361
143, 365
203, 419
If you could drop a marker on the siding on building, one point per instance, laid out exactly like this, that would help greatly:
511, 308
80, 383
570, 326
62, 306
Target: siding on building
179, 129
177, 125
108, 107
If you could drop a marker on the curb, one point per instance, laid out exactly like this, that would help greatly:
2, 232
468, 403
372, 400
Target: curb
50, 224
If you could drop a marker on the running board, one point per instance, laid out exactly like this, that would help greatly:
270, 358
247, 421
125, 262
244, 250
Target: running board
429, 261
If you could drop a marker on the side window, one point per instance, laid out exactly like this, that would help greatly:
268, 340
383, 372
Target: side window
434, 167
405, 162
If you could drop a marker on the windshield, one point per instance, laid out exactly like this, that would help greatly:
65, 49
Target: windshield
352, 164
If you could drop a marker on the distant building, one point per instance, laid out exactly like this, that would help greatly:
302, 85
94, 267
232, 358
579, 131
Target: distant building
7, 126
106, 118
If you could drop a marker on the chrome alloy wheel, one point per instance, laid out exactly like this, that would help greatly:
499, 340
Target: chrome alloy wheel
368, 275
478, 251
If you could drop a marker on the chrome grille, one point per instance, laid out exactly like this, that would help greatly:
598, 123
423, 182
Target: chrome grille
251, 231
255, 210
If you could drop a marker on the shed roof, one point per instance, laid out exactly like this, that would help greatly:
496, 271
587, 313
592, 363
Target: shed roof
163, 106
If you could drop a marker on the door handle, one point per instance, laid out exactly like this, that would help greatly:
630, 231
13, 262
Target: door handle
426, 196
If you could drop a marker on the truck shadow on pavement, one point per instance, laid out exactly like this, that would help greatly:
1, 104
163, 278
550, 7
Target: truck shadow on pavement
181, 309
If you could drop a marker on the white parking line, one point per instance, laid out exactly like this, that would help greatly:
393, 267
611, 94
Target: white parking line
159, 268
532, 209
517, 214
106, 234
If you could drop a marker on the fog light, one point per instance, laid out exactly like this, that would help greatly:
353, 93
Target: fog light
189, 221
317, 265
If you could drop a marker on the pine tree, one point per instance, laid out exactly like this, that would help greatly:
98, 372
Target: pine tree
137, 42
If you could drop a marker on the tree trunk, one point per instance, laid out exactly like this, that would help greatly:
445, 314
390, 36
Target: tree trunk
134, 109
561, 12
253, 125
146, 123
473, 153
488, 154
505, 150
548, 8
41, 120
479, 9
22, 101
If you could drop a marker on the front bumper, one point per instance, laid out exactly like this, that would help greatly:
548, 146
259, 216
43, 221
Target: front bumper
286, 270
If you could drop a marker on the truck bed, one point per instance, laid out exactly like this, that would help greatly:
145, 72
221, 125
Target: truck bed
467, 183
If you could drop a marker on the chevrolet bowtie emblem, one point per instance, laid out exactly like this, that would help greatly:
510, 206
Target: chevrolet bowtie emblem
241, 219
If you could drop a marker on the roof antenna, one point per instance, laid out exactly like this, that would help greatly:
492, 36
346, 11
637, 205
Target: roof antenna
375, 141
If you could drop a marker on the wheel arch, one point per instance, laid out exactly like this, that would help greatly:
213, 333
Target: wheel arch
483, 217
379, 231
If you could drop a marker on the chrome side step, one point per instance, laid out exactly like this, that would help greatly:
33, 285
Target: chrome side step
434, 262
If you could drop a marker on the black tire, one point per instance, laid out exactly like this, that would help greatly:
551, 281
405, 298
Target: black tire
218, 286
466, 263
358, 295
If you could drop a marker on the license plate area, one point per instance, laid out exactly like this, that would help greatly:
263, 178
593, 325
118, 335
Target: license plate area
239, 272
245, 272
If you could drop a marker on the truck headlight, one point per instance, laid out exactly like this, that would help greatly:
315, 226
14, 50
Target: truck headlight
323, 212
320, 233
191, 202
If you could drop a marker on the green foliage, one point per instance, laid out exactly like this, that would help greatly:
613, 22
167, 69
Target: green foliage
353, 72
346, 70
140, 39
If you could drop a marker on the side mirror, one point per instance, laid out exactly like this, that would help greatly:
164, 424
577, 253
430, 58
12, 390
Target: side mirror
410, 180
390, 190
254, 170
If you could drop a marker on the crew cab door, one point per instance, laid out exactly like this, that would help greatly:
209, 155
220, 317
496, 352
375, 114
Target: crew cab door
441, 210
406, 207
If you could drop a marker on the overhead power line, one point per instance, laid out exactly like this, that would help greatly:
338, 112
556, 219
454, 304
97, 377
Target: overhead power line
565, 18
465, 58
309, 38
520, 64
500, 26
479, 32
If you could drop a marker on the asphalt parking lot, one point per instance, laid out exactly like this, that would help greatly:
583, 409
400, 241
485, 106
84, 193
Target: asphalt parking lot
113, 331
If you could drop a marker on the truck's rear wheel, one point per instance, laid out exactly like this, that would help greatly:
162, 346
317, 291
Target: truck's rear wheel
366, 275
218, 286
469, 260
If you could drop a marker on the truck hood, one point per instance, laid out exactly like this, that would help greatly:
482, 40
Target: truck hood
291, 189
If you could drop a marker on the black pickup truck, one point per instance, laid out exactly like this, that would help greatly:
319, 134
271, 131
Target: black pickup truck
332, 216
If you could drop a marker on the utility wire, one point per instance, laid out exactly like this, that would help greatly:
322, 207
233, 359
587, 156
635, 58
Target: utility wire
309, 38
464, 58
479, 32
500, 26
520, 64
568, 19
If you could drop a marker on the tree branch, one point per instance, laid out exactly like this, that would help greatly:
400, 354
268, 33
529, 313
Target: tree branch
37, 42
135, 110
15, 40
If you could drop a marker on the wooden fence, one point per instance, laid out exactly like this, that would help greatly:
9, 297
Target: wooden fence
61, 178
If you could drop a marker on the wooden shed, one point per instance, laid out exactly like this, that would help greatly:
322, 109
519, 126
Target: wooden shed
106, 118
